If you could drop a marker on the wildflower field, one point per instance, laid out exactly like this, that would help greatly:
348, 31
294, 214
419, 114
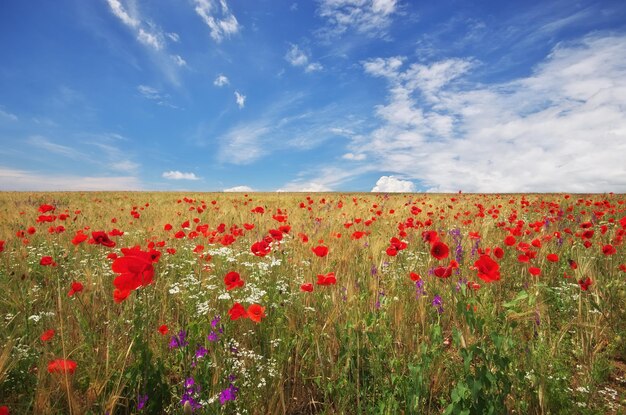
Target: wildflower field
131, 303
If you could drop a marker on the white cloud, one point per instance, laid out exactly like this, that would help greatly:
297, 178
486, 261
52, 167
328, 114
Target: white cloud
221, 80
297, 57
390, 184
242, 189
218, 17
243, 144
177, 175
355, 157
370, 17
119, 11
240, 99
23, 180
155, 95
178, 60
562, 128
150, 39
173, 36
8, 115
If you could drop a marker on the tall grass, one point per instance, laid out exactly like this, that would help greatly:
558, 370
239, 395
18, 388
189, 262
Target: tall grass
376, 341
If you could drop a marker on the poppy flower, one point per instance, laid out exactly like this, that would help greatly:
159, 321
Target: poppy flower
233, 280
76, 288
79, 237
534, 271
510, 240
430, 236
256, 313
248, 226
439, 250
163, 329
237, 311
392, 251
62, 366
4, 410
622, 267
135, 269
584, 284
101, 238
46, 208
572, 264
473, 285
320, 250
167, 227
2, 246
47, 260
328, 279
120, 295
47, 335
415, 276
443, 272
260, 248
357, 235
306, 287
608, 250
488, 269
553, 258
498, 252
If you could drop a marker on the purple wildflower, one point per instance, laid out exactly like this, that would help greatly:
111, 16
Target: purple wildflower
438, 303
228, 394
215, 321
179, 340
419, 289
141, 401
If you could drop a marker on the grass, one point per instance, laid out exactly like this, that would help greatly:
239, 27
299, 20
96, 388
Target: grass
376, 341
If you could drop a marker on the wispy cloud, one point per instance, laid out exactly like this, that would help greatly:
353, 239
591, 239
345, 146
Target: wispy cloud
150, 35
155, 95
297, 57
221, 80
369, 17
240, 99
8, 115
216, 14
177, 175
563, 128
25, 180
244, 144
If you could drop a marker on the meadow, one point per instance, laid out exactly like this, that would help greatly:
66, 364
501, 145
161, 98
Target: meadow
326, 303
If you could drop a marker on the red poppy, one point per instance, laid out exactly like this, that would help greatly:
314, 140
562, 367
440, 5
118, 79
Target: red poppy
276, 234
167, 227
163, 329
306, 287
46, 208
233, 280
572, 264
320, 250
357, 235
31, 230
510, 240
2, 246
62, 366
120, 295
534, 271
392, 251
256, 313
608, 250
76, 288
473, 285
430, 236
47, 260
79, 237
584, 284
237, 311
47, 335
260, 248
443, 272
622, 267
4, 410
248, 226
439, 250
553, 258
328, 279
415, 276
135, 269
498, 252
488, 269
101, 238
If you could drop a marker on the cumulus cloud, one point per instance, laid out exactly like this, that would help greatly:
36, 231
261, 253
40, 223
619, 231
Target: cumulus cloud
391, 184
369, 17
221, 80
241, 189
562, 128
297, 57
177, 175
240, 99
218, 17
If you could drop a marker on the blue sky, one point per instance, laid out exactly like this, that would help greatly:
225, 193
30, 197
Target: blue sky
327, 95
